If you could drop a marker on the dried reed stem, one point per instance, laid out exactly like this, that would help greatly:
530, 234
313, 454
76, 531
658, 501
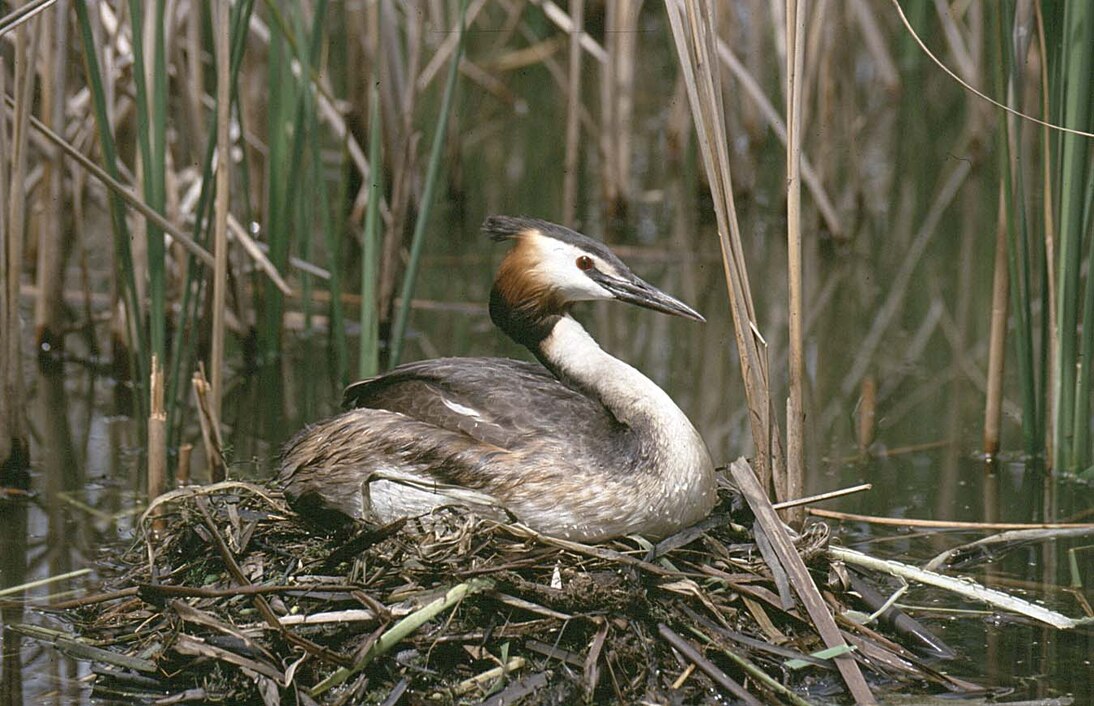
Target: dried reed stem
9, 294
210, 428
157, 436
867, 414
117, 188
795, 412
812, 180
798, 574
693, 35
51, 250
617, 85
573, 108
13, 428
993, 405
182, 470
223, 185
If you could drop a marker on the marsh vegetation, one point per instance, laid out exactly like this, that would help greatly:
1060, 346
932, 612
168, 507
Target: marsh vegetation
281, 196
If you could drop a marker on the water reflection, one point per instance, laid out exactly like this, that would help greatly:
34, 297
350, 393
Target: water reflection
13, 572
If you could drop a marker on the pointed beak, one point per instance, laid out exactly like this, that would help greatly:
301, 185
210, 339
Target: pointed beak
636, 291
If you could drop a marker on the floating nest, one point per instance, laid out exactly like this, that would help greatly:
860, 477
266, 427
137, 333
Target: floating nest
230, 597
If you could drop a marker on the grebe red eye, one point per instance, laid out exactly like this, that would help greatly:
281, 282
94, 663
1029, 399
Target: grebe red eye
584, 263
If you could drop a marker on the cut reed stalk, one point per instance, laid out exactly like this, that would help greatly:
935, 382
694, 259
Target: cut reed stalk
210, 428
157, 434
795, 412
573, 112
417, 242
221, 29
867, 415
182, 470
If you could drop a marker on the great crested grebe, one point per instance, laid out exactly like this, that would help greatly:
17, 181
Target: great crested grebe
584, 448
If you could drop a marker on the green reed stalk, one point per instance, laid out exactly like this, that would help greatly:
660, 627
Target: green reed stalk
1020, 257
279, 192
369, 353
151, 127
138, 360
1082, 453
326, 221
417, 242
185, 342
1075, 61
302, 206
222, 45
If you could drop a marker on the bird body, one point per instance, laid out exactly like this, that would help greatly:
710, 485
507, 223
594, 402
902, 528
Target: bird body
582, 447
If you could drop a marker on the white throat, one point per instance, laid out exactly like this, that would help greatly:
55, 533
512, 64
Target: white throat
680, 467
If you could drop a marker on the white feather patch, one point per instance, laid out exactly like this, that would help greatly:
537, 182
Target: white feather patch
462, 409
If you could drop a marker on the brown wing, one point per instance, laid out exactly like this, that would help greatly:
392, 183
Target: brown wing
503, 402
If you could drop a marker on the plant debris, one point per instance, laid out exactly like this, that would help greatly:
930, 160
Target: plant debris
236, 599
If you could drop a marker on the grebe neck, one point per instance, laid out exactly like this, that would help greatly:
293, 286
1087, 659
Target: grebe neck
577, 360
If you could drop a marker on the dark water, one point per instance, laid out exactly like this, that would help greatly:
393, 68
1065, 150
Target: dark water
898, 303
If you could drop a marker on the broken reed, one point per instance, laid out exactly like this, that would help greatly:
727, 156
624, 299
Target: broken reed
1046, 251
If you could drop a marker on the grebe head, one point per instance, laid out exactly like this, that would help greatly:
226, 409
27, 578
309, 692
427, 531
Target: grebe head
551, 267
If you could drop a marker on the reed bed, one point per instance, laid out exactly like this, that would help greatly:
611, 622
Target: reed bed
152, 122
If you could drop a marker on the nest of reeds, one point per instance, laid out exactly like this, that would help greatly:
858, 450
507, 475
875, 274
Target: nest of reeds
231, 597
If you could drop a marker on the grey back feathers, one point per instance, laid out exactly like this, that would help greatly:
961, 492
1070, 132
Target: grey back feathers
509, 404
